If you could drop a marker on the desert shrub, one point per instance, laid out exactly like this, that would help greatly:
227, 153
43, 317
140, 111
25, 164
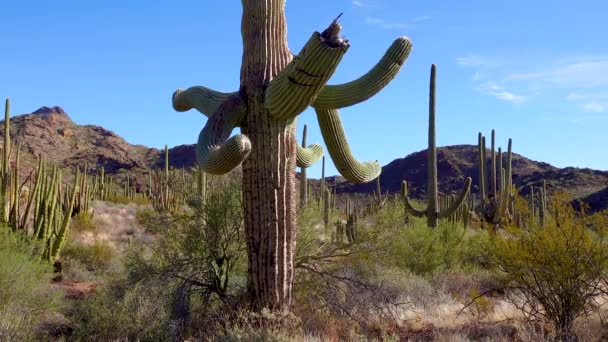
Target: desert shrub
123, 311
203, 246
554, 272
83, 221
425, 251
25, 293
199, 256
95, 257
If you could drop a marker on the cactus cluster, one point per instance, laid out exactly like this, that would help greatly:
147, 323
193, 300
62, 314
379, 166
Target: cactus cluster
497, 197
38, 207
538, 203
432, 211
170, 189
347, 232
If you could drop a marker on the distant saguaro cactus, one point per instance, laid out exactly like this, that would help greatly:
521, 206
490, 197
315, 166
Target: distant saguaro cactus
432, 211
276, 86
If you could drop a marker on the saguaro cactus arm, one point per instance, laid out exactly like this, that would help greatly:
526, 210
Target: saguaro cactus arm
339, 150
214, 153
205, 100
368, 85
306, 157
297, 86
462, 196
408, 204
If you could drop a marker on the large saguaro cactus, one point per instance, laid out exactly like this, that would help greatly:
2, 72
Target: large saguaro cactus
276, 86
432, 212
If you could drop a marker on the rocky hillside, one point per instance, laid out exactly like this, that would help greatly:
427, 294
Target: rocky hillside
50, 131
455, 163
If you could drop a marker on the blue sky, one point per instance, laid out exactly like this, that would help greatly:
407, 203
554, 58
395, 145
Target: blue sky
537, 71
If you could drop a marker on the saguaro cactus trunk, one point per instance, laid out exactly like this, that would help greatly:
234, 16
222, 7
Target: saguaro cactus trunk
275, 87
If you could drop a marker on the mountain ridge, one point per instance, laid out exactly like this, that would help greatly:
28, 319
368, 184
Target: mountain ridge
49, 131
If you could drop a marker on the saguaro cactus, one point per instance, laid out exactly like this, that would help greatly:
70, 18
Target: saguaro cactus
275, 88
495, 206
432, 212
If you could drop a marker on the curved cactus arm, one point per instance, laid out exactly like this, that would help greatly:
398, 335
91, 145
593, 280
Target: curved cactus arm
215, 154
339, 150
368, 85
306, 157
462, 196
408, 204
297, 86
205, 100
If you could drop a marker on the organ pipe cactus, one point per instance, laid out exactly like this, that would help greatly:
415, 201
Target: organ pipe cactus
4, 172
276, 86
432, 211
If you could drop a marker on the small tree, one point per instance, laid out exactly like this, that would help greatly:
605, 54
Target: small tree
554, 272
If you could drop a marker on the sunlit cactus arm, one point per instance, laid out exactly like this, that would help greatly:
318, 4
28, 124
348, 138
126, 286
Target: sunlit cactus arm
214, 153
408, 204
297, 86
306, 157
366, 86
339, 150
205, 100
462, 196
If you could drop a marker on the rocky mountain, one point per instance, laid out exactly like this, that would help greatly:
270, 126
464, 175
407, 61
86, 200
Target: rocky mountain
455, 163
50, 132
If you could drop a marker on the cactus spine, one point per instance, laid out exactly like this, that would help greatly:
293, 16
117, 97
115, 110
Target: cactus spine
432, 211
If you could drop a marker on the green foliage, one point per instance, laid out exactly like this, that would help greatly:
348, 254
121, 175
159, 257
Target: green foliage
25, 294
204, 246
83, 221
95, 257
123, 311
556, 271
423, 251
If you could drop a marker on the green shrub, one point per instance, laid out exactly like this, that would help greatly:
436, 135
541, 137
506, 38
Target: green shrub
95, 257
25, 293
123, 311
554, 272
424, 251
82, 222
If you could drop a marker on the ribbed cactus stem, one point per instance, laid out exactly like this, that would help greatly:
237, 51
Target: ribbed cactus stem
542, 207
484, 164
323, 176
378, 190
63, 230
493, 170
7, 137
339, 149
501, 180
432, 208
299, 83
167, 161
326, 204
303, 176
482, 178
4, 177
409, 207
531, 202
458, 201
16, 190
361, 89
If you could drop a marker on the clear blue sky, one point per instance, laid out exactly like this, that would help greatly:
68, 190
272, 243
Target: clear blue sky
537, 71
